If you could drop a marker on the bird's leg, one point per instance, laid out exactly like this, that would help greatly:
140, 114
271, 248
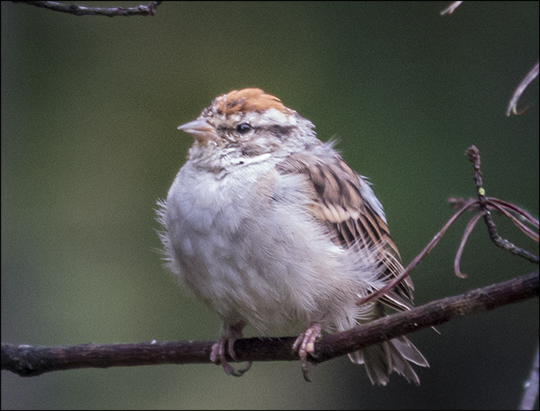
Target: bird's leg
217, 355
305, 344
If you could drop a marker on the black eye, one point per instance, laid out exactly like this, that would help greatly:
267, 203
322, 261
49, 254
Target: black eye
243, 128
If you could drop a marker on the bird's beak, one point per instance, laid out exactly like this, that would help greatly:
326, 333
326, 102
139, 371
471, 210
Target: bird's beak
200, 130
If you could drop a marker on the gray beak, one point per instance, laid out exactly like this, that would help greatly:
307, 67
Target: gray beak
200, 130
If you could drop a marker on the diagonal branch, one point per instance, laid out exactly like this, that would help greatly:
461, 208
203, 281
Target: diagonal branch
30, 361
140, 10
520, 89
451, 8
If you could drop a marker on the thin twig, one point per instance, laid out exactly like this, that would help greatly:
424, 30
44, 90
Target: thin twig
484, 205
515, 209
451, 8
503, 243
427, 249
29, 361
512, 211
141, 10
520, 89
519, 224
464, 239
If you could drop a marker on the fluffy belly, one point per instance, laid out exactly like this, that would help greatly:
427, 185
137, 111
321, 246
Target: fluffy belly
269, 278
268, 263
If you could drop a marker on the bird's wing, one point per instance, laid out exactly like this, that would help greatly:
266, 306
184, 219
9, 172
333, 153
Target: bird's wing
347, 206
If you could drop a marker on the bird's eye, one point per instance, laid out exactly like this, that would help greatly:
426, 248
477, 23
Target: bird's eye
243, 128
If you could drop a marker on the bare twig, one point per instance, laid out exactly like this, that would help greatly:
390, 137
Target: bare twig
459, 253
484, 202
522, 86
30, 361
141, 10
518, 216
484, 205
416, 260
512, 105
451, 8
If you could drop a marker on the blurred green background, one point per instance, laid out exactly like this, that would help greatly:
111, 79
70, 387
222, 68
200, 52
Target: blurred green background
90, 107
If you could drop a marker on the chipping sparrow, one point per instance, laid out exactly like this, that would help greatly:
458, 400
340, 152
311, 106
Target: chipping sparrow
269, 226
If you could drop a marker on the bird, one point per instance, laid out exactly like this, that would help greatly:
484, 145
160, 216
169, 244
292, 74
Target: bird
269, 226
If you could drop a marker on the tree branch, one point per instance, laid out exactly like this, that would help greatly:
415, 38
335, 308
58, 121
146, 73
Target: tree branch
30, 361
140, 10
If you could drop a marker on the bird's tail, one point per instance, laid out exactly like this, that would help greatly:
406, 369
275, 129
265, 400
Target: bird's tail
394, 355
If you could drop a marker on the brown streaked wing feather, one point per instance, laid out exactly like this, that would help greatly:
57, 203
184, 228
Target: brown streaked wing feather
338, 204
